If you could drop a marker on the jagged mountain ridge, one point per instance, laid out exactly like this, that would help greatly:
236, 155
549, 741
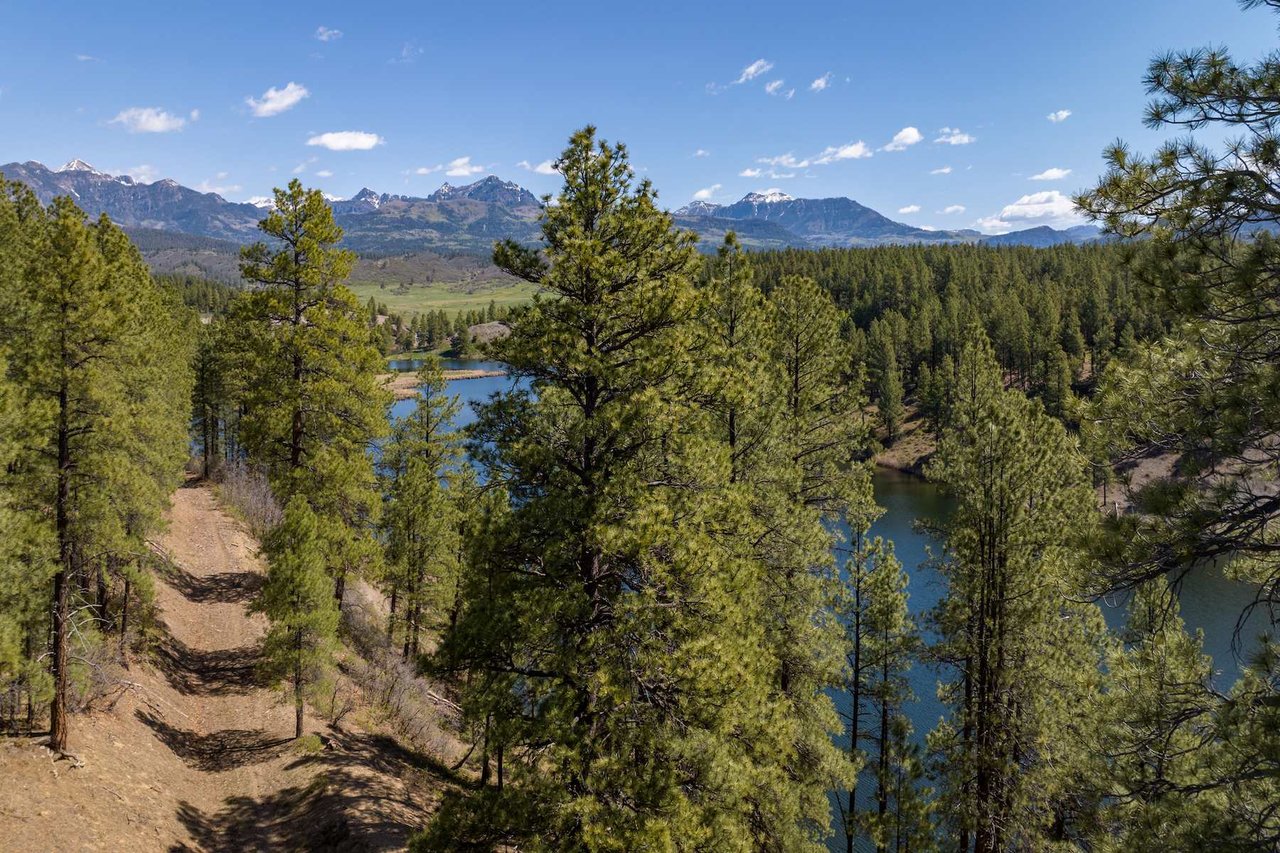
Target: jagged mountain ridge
471, 217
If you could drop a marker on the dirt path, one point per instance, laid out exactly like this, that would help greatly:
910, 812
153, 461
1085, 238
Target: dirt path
194, 753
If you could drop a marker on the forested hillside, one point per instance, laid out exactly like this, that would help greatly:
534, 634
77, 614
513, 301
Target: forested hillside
632, 596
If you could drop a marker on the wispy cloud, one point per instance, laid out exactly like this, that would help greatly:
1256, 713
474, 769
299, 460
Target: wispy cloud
324, 173
151, 120
954, 136
1048, 207
275, 101
754, 70
904, 139
1053, 174
749, 173
849, 151
327, 34
461, 167
821, 83
428, 170
706, 192
702, 152
216, 185
944, 170
1058, 116
546, 167
347, 140
952, 208
773, 86
84, 57
911, 208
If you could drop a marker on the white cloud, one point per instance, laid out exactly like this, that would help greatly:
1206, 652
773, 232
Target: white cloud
791, 93
461, 167
427, 170
821, 83
209, 185
849, 151
546, 167
911, 208
324, 173
945, 170
754, 70
1059, 116
275, 101
702, 152
327, 34
952, 208
706, 192
84, 57
786, 161
151, 120
903, 139
954, 136
1048, 207
749, 173
195, 115
1054, 174
773, 86
346, 140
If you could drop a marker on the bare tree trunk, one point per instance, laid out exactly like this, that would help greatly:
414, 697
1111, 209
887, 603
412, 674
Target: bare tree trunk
62, 515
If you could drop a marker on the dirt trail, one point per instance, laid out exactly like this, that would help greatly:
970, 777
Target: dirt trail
193, 752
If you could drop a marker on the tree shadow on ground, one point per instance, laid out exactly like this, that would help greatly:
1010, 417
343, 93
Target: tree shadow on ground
369, 794
216, 751
208, 672
221, 588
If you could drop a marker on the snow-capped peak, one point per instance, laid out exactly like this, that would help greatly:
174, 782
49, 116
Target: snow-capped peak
768, 196
331, 197
81, 166
263, 201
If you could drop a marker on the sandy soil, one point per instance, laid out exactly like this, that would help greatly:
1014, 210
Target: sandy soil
193, 752
405, 384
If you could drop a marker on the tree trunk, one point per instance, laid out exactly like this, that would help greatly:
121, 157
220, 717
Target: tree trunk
124, 623
62, 515
297, 688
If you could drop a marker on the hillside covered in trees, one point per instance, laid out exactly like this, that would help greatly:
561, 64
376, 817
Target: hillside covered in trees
637, 602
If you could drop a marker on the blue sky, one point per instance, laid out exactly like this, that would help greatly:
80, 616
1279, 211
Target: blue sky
401, 97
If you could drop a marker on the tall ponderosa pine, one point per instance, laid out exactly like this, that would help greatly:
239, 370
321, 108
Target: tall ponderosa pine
1207, 392
421, 518
99, 373
1007, 757
306, 376
613, 649
782, 399
883, 642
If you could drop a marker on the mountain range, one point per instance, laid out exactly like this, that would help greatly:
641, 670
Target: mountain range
468, 219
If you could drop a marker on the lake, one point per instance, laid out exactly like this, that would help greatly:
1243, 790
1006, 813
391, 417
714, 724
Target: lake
1210, 601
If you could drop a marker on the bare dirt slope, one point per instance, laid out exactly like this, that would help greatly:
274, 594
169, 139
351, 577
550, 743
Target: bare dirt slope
192, 752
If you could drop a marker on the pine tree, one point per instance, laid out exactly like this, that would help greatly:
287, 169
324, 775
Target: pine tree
102, 381
297, 599
422, 518
613, 651
307, 377
1010, 622
889, 399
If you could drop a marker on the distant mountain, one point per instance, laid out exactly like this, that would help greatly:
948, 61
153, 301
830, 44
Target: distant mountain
164, 205
469, 218
1043, 236
819, 221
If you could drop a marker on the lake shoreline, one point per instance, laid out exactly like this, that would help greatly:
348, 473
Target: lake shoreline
404, 384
